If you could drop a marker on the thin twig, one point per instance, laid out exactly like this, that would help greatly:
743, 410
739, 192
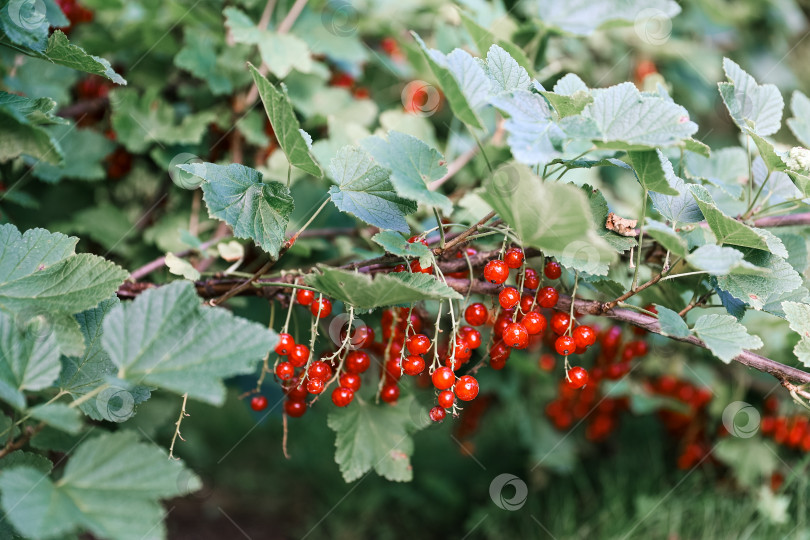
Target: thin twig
183, 414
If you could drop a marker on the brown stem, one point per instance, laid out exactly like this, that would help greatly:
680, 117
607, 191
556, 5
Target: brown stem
607, 306
461, 237
11, 446
82, 108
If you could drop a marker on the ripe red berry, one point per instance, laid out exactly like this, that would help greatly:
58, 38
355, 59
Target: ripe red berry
362, 337
321, 308
462, 349
503, 320
576, 377
446, 399
418, 344
471, 336
534, 323
437, 414
417, 268
351, 381
531, 279
299, 355
400, 268
285, 344
443, 378
413, 365
342, 396
417, 238
393, 369
304, 297
526, 303
466, 388
285, 371
560, 322
513, 257
516, 336
319, 370
476, 314
565, 345
499, 353
553, 270
547, 297
315, 386
496, 271
584, 336
509, 297
639, 348
389, 393
546, 362
258, 403
357, 361
295, 408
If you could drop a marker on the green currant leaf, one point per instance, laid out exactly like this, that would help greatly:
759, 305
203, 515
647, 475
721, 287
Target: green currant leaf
722, 260
199, 57
58, 415
582, 17
757, 290
396, 244
41, 275
667, 237
555, 218
167, 338
533, 136
29, 359
84, 373
599, 210
799, 124
724, 336
747, 101
23, 124
25, 24
727, 169
413, 165
110, 486
464, 83
238, 195
621, 114
365, 293
730, 231
653, 171
798, 317
680, 208
285, 125
87, 149
141, 121
61, 51
504, 72
365, 190
373, 436
671, 323
484, 39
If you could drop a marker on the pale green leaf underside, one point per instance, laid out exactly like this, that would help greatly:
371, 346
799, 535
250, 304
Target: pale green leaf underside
724, 336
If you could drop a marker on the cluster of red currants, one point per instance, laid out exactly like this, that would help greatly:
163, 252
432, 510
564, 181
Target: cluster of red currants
791, 431
75, 13
521, 316
688, 424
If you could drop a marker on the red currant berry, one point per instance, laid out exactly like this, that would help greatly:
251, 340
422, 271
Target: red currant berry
418, 344
463, 351
560, 322
471, 336
513, 257
295, 408
351, 381
285, 344
516, 336
389, 393
413, 365
400, 268
319, 370
476, 314
553, 270
546, 362
509, 297
393, 368
258, 403
321, 308
466, 388
443, 378
294, 389
504, 320
584, 336
534, 322
304, 297
299, 355
357, 361
565, 345
342, 396
417, 238
315, 386
437, 414
285, 371
416, 268
496, 271
531, 279
639, 348
362, 337
499, 353
526, 303
446, 399
547, 297
576, 377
